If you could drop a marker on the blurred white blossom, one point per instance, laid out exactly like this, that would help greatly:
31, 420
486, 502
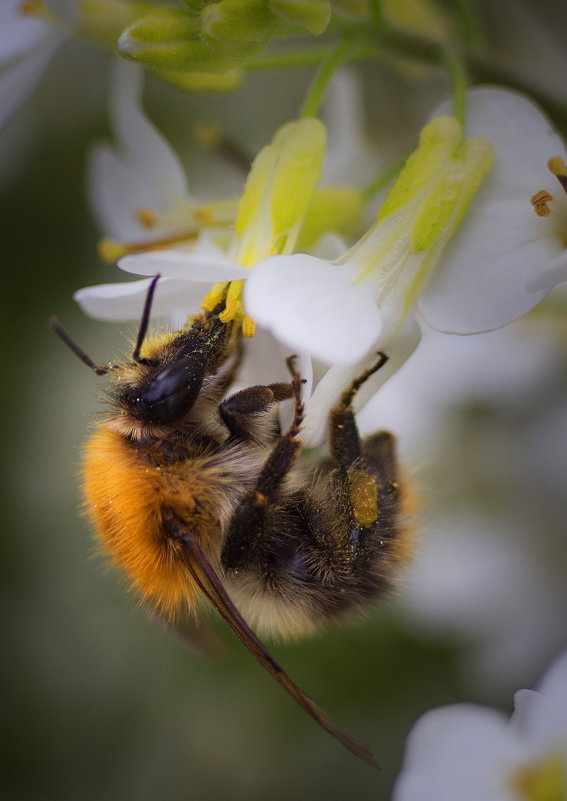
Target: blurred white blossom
30, 34
488, 414
468, 753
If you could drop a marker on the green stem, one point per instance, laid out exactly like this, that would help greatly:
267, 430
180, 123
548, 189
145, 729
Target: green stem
303, 58
470, 29
459, 83
384, 178
322, 79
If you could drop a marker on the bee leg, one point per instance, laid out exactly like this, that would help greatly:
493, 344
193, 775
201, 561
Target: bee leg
344, 438
248, 531
239, 409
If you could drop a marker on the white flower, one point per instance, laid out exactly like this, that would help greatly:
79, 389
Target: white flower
505, 258
502, 260
138, 188
30, 34
469, 753
358, 302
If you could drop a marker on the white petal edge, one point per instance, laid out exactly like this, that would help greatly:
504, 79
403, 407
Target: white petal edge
458, 752
197, 267
139, 139
311, 306
337, 378
504, 259
125, 301
17, 80
547, 723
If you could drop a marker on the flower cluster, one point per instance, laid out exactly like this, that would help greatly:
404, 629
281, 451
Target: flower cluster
456, 244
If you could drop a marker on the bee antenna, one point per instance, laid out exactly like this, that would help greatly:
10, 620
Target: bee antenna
144, 322
56, 326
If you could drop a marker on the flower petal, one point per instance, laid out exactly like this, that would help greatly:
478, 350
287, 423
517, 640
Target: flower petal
458, 752
117, 191
199, 267
19, 78
140, 140
140, 172
350, 156
311, 306
328, 390
20, 32
504, 259
125, 301
547, 723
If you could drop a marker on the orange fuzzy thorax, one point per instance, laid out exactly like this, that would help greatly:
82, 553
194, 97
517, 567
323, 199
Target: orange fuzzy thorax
125, 495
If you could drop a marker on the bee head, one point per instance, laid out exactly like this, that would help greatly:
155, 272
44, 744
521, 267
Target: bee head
163, 387
165, 376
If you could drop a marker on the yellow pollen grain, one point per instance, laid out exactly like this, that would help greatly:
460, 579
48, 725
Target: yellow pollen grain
364, 497
146, 217
539, 201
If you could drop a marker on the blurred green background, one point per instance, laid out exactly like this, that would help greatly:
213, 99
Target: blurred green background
101, 702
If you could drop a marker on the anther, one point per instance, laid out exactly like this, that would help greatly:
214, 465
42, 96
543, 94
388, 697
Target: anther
539, 201
146, 217
556, 165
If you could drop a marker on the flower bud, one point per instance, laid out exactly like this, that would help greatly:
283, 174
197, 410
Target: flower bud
313, 15
170, 41
239, 27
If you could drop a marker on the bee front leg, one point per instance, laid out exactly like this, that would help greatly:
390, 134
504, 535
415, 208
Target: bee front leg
247, 536
238, 410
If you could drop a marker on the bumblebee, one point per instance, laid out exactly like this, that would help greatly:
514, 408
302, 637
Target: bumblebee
197, 495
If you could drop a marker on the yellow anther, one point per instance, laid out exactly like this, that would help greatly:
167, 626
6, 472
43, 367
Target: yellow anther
213, 297
32, 7
556, 165
204, 217
234, 310
146, 217
109, 250
539, 201
558, 168
545, 780
208, 134
248, 326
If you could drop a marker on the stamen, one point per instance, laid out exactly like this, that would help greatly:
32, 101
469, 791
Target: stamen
234, 308
146, 217
213, 297
556, 165
211, 136
32, 7
208, 135
109, 249
248, 326
539, 201
204, 217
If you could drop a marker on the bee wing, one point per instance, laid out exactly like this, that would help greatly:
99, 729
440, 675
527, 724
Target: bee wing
197, 634
205, 576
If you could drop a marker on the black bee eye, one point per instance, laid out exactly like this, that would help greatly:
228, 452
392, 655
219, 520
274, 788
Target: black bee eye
173, 391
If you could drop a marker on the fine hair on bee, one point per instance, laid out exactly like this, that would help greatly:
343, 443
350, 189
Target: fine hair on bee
197, 496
